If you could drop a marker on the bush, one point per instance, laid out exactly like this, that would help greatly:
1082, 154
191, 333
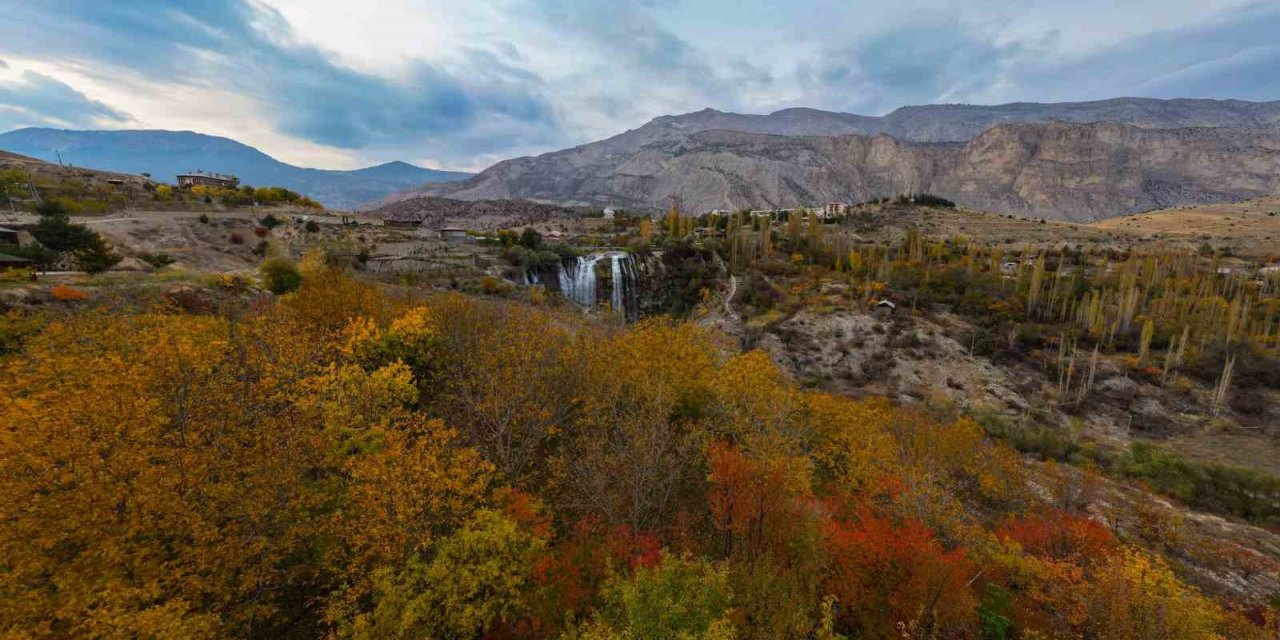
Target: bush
1043, 442
490, 285
204, 218
261, 232
51, 208
235, 238
756, 291
16, 327
280, 275
1250, 494
65, 293
312, 226
270, 221
156, 260
18, 274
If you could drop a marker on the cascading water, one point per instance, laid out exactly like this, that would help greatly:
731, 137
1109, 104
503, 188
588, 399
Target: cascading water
624, 278
578, 281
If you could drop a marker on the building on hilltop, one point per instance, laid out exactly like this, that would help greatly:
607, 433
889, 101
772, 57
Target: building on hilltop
206, 179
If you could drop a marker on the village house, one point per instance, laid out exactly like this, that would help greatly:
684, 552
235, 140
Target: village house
834, 209
8, 262
206, 179
610, 213
10, 238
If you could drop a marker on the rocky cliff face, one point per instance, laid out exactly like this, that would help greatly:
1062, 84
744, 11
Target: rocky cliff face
1056, 170
1084, 172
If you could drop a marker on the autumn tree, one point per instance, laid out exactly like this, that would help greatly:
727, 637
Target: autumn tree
636, 437
894, 579
468, 583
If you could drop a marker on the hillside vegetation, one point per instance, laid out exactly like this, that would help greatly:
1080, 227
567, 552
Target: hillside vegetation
357, 461
28, 183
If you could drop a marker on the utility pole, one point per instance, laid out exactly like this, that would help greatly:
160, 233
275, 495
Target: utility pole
31, 186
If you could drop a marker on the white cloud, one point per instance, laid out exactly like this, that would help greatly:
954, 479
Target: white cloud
461, 84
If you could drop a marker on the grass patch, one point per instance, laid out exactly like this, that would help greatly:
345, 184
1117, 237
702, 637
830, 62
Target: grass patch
1224, 489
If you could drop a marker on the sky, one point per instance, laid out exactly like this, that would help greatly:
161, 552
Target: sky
460, 84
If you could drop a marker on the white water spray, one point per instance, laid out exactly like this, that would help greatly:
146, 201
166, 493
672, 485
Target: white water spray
578, 281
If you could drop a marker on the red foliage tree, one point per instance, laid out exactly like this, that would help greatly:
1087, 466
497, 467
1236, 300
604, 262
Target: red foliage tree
1060, 536
569, 575
893, 578
757, 503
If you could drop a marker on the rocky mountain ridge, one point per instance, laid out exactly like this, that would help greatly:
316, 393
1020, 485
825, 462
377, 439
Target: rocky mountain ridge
1056, 170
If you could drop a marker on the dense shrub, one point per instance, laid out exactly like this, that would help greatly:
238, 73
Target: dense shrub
755, 291
67, 293
924, 199
280, 275
156, 260
1250, 494
1044, 442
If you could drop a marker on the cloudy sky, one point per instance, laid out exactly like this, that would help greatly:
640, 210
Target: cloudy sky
462, 83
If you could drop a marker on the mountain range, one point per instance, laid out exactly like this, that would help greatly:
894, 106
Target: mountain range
164, 154
1074, 161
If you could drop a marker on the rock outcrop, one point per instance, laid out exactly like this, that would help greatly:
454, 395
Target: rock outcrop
1054, 170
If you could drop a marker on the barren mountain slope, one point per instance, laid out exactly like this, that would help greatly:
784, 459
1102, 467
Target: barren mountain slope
928, 123
1062, 171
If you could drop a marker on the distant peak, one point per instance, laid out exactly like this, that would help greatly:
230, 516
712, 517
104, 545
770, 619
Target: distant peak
397, 164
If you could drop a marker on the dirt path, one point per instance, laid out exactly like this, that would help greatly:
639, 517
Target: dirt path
728, 297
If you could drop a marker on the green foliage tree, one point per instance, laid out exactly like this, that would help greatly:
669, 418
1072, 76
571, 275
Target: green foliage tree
530, 238
474, 580
57, 232
682, 598
96, 256
280, 275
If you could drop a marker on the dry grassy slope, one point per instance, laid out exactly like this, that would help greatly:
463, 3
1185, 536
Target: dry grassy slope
830, 343
1252, 226
890, 222
41, 169
16, 159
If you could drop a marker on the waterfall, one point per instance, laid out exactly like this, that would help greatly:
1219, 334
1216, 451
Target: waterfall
616, 283
578, 281
625, 299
